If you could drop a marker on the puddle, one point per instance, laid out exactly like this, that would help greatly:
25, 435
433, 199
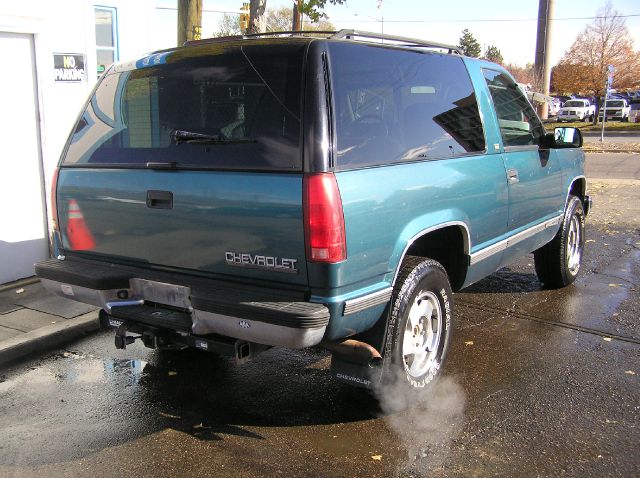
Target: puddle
79, 371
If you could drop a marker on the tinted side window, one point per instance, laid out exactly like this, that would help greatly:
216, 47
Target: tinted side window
394, 106
519, 124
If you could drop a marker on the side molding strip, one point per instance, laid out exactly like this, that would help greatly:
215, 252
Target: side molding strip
510, 241
361, 303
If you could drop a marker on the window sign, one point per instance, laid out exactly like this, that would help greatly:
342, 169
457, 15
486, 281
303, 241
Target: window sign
68, 67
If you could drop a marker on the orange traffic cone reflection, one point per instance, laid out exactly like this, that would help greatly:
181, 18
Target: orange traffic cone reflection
79, 235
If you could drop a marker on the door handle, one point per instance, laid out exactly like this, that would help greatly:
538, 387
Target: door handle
512, 176
160, 199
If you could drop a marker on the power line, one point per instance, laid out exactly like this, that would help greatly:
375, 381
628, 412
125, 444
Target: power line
489, 20
204, 10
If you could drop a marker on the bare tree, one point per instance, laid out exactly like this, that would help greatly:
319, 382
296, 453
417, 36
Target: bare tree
278, 20
228, 25
275, 20
606, 41
311, 8
524, 74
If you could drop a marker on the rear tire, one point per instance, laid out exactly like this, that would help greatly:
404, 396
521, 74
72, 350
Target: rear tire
420, 324
558, 262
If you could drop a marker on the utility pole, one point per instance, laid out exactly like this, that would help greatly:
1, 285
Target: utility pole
297, 17
543, 50
256, 15
189, 20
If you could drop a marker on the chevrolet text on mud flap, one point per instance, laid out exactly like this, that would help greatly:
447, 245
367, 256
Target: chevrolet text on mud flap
243, 259
309, 189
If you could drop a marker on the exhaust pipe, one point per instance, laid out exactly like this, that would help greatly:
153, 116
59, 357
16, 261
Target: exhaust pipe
354, 351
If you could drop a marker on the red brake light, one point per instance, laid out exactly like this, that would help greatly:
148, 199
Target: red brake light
54, 202
324, 219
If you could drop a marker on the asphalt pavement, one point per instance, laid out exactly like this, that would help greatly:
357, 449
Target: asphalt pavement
623, 166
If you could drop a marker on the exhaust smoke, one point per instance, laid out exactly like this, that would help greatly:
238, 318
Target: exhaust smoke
426, 421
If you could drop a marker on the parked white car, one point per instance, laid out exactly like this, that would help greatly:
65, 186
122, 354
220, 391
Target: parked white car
577, 110
617, 110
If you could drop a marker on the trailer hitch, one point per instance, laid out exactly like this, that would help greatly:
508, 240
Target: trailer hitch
122, 339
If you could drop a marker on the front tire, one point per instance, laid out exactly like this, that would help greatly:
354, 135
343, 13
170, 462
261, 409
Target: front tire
420, 324
558, 262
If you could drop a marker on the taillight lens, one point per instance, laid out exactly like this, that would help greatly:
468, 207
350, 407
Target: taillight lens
324, 219
54, 202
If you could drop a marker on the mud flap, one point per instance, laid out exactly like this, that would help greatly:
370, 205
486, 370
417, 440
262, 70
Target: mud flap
364, 375
358, 375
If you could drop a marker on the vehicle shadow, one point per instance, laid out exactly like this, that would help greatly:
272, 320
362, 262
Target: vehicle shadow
506, 280
208, 396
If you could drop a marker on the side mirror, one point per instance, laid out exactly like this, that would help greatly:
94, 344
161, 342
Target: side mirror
564, 137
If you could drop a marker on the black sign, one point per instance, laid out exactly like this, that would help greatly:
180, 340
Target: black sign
68, 67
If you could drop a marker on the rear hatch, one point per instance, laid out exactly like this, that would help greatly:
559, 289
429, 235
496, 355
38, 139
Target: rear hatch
191, 160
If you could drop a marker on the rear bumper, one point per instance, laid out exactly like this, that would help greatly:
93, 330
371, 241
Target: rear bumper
264, 316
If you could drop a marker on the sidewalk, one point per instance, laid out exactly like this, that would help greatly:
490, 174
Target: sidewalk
32, 320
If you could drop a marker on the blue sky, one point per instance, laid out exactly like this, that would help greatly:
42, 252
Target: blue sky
508, 24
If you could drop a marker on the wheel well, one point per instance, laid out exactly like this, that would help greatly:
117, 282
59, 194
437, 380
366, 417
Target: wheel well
578, 188
447, 246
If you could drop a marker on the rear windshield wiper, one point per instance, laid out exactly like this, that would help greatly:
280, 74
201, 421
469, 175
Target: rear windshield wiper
180, 136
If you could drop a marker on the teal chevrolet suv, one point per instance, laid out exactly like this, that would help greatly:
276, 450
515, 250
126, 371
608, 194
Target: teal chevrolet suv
316, 189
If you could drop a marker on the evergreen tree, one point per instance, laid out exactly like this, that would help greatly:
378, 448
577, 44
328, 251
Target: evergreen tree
469, 45
493, 54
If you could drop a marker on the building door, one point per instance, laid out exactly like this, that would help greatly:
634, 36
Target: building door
23, 230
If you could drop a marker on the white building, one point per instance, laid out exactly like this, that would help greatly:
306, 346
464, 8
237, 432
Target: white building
52, 54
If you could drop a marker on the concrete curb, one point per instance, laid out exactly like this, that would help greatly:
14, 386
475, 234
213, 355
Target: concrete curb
611, 151
19, 283
48, 337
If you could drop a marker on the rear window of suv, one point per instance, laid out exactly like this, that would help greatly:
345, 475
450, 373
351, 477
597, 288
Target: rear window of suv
211, 106
394, 106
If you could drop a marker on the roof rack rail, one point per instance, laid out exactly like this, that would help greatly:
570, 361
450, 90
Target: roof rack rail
404, 41
302, 33
292, 33
345, 34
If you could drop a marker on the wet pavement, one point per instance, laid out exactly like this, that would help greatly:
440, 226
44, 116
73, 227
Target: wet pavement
538, 383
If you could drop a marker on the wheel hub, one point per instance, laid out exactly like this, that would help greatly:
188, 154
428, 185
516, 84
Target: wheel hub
422, 334
574, 248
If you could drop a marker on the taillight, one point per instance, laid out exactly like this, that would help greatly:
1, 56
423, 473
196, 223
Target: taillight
323, 219
54, 202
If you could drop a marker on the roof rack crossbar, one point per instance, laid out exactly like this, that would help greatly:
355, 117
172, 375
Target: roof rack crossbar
406, 41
